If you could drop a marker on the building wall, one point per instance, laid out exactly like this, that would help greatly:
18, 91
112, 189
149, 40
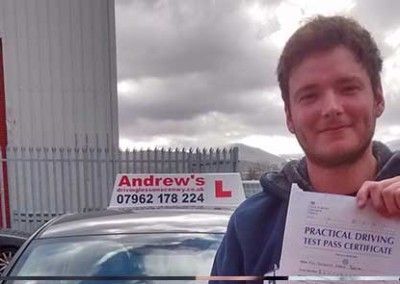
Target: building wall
60, 72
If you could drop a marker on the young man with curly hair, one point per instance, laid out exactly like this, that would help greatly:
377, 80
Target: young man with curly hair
329, 76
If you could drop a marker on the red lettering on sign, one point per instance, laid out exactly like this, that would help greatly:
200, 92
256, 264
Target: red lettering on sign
149, 181
158, 181
200, 181
168, 181
219, 190
124, 181
182, 181
136, 182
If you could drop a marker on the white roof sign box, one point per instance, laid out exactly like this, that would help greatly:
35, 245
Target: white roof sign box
177, 190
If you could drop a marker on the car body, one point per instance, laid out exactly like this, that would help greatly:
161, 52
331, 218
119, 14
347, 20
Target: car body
158, 242
10, 242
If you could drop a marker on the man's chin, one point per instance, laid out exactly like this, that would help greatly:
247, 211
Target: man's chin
337, 156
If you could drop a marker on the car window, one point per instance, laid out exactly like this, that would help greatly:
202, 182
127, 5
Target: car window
120, 255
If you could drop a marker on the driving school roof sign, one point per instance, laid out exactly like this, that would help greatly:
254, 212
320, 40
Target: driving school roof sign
177, 190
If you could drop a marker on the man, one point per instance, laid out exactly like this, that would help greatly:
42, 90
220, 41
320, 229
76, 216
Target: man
329, 76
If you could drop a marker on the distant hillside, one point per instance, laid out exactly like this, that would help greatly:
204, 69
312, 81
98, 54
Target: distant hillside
289, 157
253, 161
394, 144
256, 155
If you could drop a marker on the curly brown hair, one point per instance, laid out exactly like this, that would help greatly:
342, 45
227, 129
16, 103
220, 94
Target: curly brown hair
323, 33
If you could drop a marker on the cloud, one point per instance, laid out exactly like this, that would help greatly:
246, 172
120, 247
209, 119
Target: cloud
377, 15
229, 125
194, 69
203, 72
169, 38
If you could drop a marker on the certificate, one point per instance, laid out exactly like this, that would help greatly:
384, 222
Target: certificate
327, 234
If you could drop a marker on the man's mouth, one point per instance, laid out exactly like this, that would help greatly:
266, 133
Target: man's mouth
334, 128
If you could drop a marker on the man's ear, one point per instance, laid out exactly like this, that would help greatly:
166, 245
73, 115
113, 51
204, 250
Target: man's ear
379, 101
289, 121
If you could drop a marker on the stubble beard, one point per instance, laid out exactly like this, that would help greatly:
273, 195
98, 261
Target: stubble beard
337, 159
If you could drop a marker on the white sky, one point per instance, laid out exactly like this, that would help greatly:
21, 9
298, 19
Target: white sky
201, 73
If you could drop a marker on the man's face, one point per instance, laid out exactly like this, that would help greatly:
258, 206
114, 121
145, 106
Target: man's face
332, 107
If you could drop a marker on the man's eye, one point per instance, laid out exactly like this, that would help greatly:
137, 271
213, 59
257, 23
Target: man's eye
307, 97
350, 89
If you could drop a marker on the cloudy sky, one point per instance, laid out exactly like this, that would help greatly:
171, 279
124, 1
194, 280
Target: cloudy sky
201, 73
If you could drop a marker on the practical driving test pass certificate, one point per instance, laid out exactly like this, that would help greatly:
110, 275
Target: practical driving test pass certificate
327, 234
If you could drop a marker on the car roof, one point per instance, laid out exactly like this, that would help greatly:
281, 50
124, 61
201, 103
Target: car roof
111, 222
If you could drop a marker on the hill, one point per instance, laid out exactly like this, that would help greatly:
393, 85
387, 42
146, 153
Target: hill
256, 155
253, 162
394, 145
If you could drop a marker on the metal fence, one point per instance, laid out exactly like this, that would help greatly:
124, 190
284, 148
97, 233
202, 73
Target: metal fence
46, 182
251, 187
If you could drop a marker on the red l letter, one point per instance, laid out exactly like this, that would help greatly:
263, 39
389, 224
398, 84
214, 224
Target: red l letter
219, 190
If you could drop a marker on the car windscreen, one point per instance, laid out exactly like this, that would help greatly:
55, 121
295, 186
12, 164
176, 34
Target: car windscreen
165, 254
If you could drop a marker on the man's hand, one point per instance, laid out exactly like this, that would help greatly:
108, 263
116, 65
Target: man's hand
384, 196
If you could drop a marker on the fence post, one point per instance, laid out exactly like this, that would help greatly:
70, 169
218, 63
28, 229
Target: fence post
235, 158
190, 161
5, 221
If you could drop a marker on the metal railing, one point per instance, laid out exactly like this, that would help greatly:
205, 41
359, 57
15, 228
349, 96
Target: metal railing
46, 182
251, 187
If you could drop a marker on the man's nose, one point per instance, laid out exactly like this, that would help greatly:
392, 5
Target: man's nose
332, 104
